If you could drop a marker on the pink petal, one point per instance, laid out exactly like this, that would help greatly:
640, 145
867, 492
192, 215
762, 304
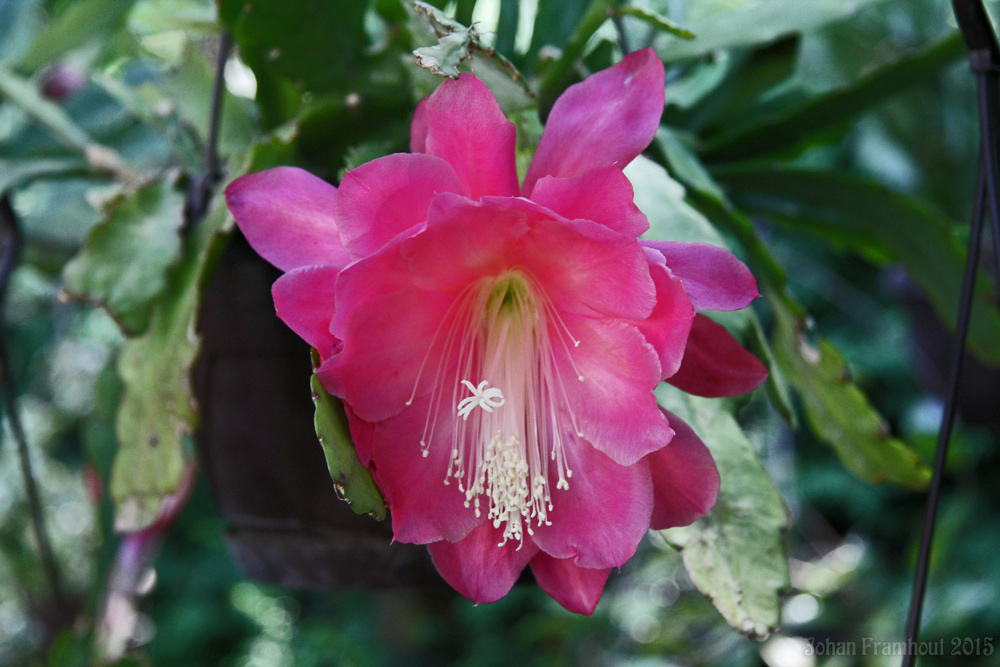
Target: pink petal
603, 515
479, 569
466, 127
603, 121
715, 364
713, 277
303, 298
424, 509
386, 339
387, 196
576, 588
390, 306
602, 195
613, 406
362, 435
668, 327
418, 128
286, 214
584, 267
685, 479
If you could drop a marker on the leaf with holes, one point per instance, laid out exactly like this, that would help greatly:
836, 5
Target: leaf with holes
454, 48
836, 409
124, 263
735, 555
157, 411
444, 57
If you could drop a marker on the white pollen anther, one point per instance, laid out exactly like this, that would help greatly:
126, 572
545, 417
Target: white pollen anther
485, 398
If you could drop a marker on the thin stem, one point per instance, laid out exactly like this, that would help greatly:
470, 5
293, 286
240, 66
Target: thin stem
200, 192
986, 187
623, 41
30, 484
211, 154
990, 108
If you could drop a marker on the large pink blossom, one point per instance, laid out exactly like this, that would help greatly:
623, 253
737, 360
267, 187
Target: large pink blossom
496, 345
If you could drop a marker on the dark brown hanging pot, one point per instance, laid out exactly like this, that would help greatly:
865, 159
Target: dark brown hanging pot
264, 464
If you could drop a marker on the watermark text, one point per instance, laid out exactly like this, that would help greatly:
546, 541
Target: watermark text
954, 646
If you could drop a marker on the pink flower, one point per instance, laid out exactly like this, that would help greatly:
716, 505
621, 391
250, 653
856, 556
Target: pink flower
496, 346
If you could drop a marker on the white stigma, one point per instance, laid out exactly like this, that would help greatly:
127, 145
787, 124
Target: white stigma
504, 332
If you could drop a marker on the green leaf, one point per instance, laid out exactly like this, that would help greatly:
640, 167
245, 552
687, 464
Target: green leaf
20, 20
303, 48
699, 81
157, 411
586, 23
15, 172
529, 134
556, 21
24, 95
124, 263
836, 409
504, 81
787, 129
277, 149
352, 481
735, 555
728, 24
317, 45
463, 11
873, 221
686, 166
364, 152
754, 82
76, 24
454, 39
187, 89
656, 20
661, 198
510, 11
778, 388
189, 16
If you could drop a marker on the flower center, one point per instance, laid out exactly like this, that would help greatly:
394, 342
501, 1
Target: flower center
499, 344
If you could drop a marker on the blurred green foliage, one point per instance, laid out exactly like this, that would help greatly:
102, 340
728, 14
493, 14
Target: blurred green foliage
831, 144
